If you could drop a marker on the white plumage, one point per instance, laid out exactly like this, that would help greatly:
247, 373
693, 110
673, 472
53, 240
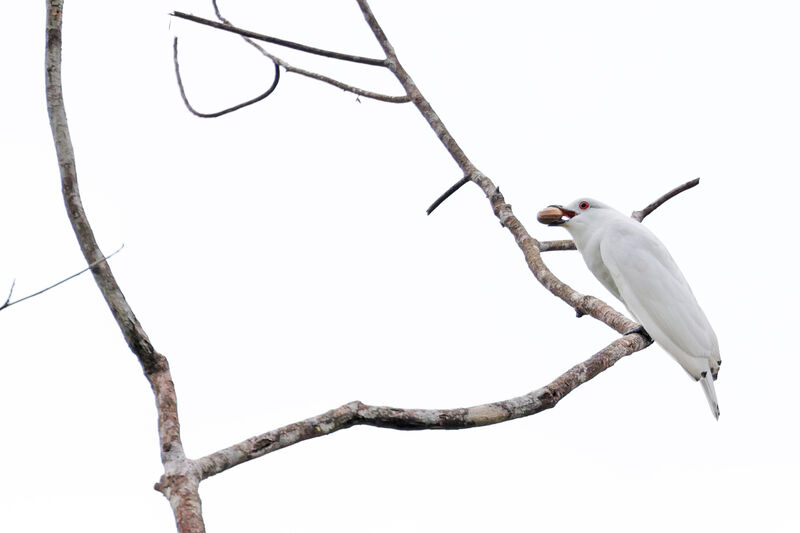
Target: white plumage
636, 267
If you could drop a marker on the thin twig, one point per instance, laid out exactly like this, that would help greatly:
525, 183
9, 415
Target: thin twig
9, 303
282, 42
463, 181
224, 111
639, 215
10, 292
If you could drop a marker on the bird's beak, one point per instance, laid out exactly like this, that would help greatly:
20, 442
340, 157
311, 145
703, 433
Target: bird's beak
554, 215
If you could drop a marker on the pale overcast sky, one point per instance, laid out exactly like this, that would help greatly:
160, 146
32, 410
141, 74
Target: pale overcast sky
281, 258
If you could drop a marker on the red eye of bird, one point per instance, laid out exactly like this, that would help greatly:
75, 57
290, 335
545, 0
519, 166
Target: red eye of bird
584, 205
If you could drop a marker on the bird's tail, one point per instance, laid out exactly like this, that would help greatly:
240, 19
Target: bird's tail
711, 395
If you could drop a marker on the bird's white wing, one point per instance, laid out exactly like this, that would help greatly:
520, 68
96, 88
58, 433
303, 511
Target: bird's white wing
655, 291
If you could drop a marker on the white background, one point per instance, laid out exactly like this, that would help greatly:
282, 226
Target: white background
281, 259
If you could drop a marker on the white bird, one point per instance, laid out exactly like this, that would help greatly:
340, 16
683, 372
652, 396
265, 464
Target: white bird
637, 268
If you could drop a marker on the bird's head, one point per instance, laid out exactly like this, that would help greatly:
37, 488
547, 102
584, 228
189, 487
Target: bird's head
579, 212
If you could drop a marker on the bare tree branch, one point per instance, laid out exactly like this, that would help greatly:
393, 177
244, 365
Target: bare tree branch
357, 413
9, 303
179, 479
182, 476
224, 111
282, 42
639, 215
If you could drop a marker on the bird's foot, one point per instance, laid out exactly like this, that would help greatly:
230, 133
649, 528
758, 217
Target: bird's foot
641, 331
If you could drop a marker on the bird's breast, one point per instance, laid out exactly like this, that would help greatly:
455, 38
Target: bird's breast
590, 251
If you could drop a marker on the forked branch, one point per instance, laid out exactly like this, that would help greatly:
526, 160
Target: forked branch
251, 37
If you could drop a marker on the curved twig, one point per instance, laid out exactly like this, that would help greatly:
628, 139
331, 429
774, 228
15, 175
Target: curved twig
230, 109
9, 303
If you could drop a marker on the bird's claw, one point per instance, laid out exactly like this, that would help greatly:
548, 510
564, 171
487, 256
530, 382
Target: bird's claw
641, 331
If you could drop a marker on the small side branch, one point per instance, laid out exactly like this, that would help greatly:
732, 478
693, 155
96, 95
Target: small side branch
639, 215
9, 303
457, 185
